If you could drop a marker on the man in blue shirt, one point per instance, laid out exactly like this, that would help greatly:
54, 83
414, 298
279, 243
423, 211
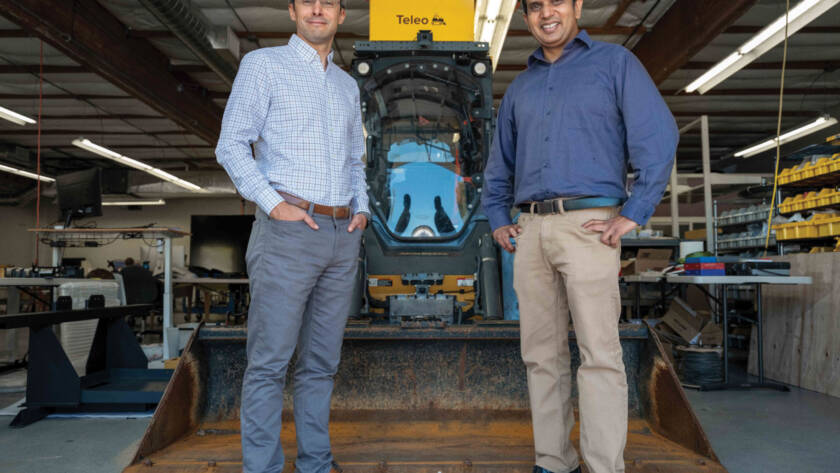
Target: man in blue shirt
567, 129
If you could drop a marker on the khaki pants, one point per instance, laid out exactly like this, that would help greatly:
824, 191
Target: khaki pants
561, 268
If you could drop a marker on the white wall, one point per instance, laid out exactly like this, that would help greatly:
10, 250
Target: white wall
17, 245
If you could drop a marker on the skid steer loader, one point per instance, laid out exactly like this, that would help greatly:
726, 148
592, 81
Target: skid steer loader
431, 379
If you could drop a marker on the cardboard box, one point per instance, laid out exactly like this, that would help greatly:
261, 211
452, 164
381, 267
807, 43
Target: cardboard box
697, 234
171, 363
650, 259
684, 320
711, 335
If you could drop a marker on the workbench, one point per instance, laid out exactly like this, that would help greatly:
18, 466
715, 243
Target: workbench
59, 238
724, 282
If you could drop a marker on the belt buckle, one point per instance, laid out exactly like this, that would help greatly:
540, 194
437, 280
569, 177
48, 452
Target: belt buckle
545, 207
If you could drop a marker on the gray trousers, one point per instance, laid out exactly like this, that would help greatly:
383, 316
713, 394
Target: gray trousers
301, 288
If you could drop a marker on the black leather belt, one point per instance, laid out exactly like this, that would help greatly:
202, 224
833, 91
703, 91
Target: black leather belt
555, 206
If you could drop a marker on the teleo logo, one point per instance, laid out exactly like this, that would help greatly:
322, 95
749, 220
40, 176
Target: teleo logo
420, 20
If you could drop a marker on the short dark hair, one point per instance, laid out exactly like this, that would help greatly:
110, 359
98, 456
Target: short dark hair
524, 5
340, 3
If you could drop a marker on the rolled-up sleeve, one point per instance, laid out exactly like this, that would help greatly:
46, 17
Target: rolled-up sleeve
244, 117
652, 138
498, 192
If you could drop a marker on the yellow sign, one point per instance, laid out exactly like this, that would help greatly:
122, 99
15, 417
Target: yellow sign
448, 20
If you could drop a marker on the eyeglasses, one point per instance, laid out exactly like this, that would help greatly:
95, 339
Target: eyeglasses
324, 3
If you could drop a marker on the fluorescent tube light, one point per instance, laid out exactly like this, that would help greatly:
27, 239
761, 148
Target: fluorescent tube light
488, 26
492, 18
23, 173
15, 117
804, 130
115, 203
778, 26
766, 39
714, 71
88, 145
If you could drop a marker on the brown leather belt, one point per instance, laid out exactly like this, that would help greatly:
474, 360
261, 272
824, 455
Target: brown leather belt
337, 212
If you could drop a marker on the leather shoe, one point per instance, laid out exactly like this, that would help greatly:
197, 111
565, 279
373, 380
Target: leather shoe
539, 469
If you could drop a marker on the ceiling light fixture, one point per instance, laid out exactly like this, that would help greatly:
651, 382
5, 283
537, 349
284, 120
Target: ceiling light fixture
15, 117
804, 130
88, 145
115, 203
766, 39
492, 18
23, 173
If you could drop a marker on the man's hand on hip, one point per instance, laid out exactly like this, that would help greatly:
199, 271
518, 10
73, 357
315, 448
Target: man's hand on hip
359, 221
290, 213
611, 230
502, 235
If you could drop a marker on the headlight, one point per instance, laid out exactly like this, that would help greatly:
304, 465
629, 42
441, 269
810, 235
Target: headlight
479, 68
363, 68
423, 231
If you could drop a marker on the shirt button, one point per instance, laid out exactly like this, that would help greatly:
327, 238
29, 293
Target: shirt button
546, 138
551, 88
548, 112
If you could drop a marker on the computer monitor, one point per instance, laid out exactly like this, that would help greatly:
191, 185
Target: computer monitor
79, 194
218, 242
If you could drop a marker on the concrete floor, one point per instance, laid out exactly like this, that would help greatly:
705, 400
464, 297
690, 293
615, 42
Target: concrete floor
757, 431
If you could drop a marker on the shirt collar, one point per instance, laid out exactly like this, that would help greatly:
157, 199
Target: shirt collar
582, 38
307, 52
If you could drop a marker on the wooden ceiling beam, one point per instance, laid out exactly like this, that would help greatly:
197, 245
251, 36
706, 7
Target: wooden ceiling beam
93, 37
685, 29
64, 96
617, 13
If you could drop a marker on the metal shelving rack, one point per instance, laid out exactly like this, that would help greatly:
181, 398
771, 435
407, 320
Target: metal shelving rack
741, 244
815, 183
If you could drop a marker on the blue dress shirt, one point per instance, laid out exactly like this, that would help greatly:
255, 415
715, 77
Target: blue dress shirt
570, 128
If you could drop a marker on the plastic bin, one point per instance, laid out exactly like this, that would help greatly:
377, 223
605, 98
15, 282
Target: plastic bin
785, 176
806, 230
835, 163
829, 227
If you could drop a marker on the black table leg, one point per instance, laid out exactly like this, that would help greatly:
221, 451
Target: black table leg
760, 351
725, 318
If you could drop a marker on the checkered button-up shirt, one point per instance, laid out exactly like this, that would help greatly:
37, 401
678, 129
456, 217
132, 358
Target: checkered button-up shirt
306, 127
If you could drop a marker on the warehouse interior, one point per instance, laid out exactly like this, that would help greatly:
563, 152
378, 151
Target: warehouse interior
115, 212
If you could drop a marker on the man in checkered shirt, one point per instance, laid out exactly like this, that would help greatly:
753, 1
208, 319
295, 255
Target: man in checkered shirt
301, 114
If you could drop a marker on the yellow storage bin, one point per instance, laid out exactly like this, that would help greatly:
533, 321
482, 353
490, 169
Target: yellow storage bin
810, 201
829, 226
787, 205
806, 230
798, 202
835, 163
807, 171
822, 166
785, 176
824, 197
785, 231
